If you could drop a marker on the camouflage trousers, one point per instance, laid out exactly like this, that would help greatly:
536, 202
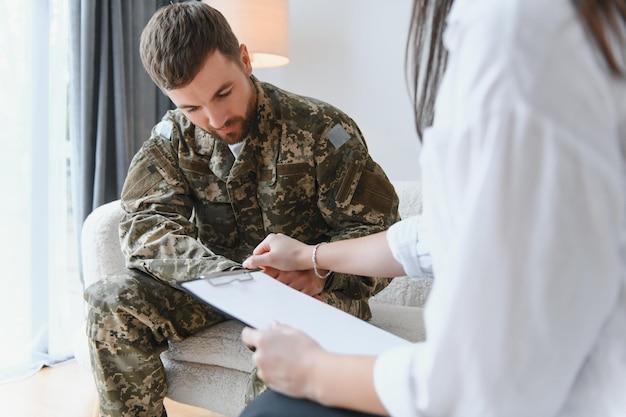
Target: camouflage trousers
131, 317
130, 320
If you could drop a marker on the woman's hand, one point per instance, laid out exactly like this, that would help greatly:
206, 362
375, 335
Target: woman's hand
285, 359
293, 364
280, 252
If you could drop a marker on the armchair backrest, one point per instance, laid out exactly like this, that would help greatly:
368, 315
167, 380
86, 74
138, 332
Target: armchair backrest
100, 244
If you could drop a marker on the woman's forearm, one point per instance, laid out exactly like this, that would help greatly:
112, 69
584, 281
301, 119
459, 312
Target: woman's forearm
346, 382
367, 255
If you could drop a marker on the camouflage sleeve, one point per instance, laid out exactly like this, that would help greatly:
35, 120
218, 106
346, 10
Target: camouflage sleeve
356, 198
156, 233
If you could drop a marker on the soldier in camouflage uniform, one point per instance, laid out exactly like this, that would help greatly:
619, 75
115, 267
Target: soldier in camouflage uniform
237, 160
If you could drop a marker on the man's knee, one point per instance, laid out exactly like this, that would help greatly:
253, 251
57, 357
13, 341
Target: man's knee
120, 288
113, 306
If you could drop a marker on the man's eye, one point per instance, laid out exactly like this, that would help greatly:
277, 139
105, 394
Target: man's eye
191, 109
225, 94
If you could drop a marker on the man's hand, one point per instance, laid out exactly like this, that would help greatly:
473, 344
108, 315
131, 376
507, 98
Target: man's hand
304, 281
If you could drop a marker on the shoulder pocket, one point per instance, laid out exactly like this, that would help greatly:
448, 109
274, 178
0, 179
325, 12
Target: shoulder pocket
367, 186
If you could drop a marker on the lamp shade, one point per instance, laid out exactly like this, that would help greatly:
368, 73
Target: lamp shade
262, 25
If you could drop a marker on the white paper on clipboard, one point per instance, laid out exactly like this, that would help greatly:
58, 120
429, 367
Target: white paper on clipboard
257, 300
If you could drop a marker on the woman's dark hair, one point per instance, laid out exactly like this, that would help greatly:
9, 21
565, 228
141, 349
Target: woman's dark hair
425, 58
605, 21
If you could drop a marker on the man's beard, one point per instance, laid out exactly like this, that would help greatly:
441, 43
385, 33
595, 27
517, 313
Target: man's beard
245, 124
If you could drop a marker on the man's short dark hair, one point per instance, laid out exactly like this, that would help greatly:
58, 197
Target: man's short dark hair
178, 39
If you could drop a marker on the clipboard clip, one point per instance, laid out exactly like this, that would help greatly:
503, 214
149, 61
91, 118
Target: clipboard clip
225, 278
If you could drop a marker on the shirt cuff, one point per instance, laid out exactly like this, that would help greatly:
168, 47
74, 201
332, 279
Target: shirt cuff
404, 239
394, 381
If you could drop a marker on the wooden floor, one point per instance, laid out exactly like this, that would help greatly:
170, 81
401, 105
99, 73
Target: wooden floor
67, 391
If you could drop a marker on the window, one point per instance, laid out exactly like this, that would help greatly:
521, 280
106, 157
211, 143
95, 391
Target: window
41, 297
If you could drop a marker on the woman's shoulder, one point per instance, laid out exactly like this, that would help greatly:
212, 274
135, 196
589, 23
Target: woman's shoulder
529, 50
512, 30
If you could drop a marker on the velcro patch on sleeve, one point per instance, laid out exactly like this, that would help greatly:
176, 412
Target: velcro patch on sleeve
164, 129
140, 180
338, 136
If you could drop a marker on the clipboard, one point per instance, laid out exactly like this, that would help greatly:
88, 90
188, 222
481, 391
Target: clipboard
257, 300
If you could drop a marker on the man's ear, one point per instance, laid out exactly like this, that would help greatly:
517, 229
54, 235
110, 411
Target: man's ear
245, 59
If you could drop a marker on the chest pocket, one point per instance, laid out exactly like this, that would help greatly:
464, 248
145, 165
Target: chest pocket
214, 215
288, 200
289, 184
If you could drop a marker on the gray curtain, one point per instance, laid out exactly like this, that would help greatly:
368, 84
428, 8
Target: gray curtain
113, 102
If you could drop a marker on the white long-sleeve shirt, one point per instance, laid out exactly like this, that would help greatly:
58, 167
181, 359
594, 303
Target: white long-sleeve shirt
524, 189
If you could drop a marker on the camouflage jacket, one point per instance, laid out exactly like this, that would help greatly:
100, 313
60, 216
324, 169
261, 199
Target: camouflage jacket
304, 171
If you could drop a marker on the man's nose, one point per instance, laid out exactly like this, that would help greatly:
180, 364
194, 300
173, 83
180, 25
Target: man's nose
216, 117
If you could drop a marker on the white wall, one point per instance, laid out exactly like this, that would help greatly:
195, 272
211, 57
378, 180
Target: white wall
350, 53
